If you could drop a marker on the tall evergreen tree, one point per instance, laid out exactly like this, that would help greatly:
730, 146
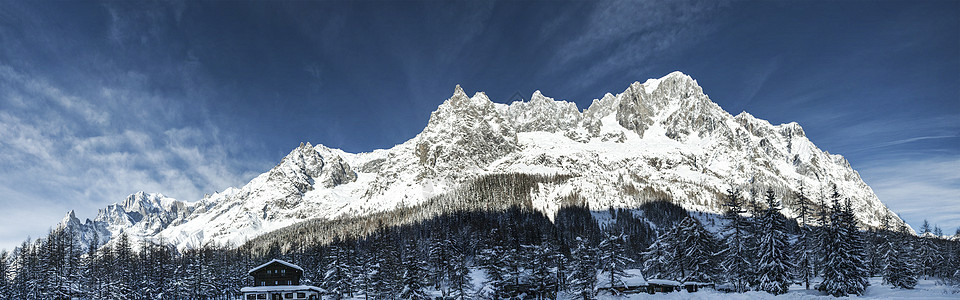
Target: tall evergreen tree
925, 228
737, 257
337, 278
843, 266
696, 252
121, 285
583, 279
413, 274
386, 269
804, 245
661, 260
899, 268
613, 258
928, 256
4, 272
774, 265
494, 265
460, 284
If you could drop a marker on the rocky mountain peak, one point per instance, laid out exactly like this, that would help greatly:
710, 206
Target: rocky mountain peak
464, 132
660, 139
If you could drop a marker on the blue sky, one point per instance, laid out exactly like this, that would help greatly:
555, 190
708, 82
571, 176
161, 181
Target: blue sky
101, 100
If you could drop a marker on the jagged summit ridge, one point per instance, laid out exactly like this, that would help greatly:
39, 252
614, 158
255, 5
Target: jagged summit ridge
663, 139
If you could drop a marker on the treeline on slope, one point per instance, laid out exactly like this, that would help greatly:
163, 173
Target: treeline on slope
494, 192
520, 252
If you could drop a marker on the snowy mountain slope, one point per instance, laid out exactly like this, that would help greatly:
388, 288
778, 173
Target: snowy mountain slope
658, 140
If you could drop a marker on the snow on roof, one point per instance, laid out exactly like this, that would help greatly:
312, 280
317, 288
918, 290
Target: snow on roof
663, 282
696, 283
281, 288
273, 261
634, 278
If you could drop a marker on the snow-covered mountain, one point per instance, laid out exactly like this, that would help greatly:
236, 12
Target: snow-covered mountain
663, 139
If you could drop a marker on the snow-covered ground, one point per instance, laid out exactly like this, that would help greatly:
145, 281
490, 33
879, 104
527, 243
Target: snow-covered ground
926, 289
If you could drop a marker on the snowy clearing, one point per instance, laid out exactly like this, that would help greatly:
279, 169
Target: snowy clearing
926, 289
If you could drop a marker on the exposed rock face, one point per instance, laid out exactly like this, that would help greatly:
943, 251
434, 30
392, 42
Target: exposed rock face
661, 139
464, 133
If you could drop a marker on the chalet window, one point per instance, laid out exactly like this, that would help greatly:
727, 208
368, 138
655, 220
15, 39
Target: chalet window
276, 282
261, 296
301, 295
284, 271
288, 296
289, 282
263, 283
251, 297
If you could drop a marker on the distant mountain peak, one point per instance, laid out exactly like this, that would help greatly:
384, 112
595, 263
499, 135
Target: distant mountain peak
663, 139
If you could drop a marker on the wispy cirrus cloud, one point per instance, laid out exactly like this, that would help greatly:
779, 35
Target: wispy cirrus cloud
82, 149
919, 189
626, 35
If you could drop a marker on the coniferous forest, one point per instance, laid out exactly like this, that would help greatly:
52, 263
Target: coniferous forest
514, 252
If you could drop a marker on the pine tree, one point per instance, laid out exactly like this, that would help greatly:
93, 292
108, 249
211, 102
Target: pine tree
928, 255
460, 284
925, 228
774, 265
542, 275
803, 247
387, 266
4, 273
337, 280
413, 274
613, 259
121, 286
658, 260
583, 279
440, 256
843, 266
737, 257
898, 269
696, 250
494, 264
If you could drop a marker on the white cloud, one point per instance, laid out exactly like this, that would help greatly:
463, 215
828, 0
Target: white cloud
83, 150
918, 189
623, 35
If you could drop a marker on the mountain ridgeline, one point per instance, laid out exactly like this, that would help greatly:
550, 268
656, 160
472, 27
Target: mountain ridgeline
660, 140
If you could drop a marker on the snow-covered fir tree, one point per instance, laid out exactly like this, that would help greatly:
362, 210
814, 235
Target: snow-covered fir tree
658, 259
439, 258
583, 278
4, 272
613, 259
803, 248
696, 252
843, 266
542, 277
737, 259
929, 256
386, 269
773, 262
492, 262
460, 283
414, 272
337, 278
899, 269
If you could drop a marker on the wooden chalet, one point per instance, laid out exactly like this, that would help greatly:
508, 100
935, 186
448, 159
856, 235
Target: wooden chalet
279, 280
663, 286
693, 286
633, 283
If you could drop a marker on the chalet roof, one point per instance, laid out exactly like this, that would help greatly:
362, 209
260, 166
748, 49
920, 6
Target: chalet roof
273, 261
664, 282
634, 278
281, 288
